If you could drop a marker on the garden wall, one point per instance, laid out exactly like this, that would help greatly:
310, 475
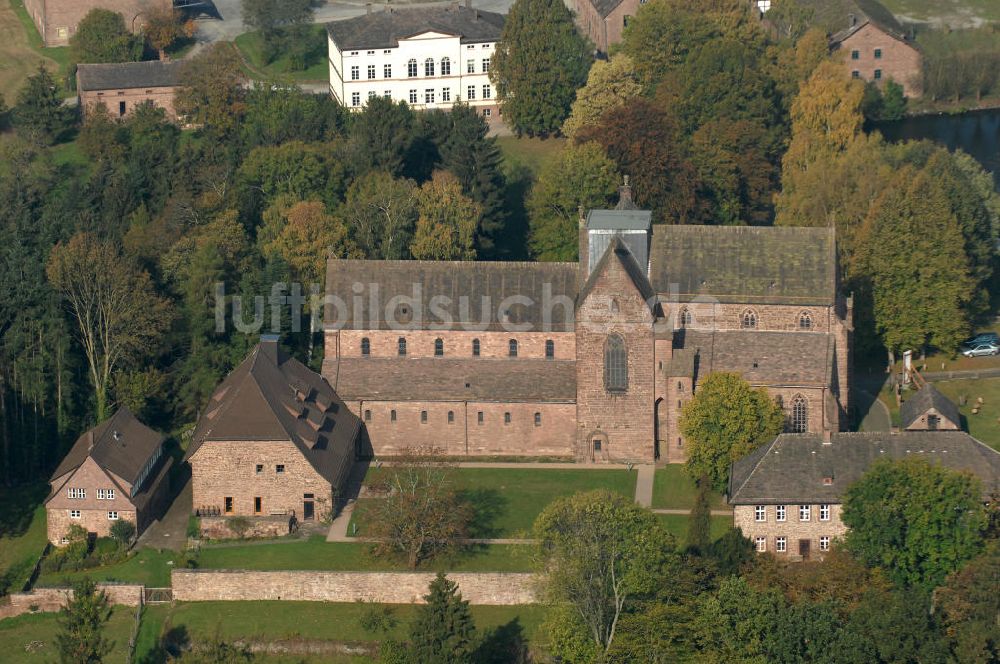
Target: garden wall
192, 585
53, 599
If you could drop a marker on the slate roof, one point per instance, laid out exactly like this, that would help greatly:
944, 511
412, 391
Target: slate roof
455, 280
751, 264
384, 29
443, 379
782, 358
128, 75
923, 400
274, 397
833, 16
791, 468
617, 251
619, 219
121, 444
604, 7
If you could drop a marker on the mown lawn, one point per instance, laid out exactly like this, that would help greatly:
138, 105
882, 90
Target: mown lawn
251, 46
529, 153
507, 500
22, 534
31, 637
21, 51
673, 489
148, 567
956, 13
318, 554
677, 524
984, 426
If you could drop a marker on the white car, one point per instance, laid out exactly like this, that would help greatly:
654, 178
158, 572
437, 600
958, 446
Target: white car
981, 349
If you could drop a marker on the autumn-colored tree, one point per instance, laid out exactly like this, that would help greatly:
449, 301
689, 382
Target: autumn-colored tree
726, 420
645, 144
119, 315
969, 604
913, 254
164, 27
224, 233
380, 213
102, 36
792, 65
447, 221
538, 64
579, 176
212, 89
421, 515
610, 84
310, 235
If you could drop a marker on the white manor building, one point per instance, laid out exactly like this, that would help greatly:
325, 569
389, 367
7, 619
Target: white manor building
428, 57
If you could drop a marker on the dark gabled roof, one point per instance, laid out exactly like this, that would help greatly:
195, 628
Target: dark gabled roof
791, 469
443, 379
782, 358
121, 444
620, 219
923, 400
604, 7
384, 29
463, 283
618, 252
274, 397
745, 264
127, 75
834, 16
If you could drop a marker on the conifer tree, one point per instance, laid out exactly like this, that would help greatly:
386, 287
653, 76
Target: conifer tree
39, 114
539, 63
82, 621
443, 632
699, 535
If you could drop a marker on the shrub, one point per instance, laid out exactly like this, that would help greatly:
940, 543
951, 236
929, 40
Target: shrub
239, 525
378, 618
122, 532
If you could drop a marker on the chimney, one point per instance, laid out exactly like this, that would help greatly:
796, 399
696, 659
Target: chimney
852, 20
90, 440
368, 8
269, 347
625, 195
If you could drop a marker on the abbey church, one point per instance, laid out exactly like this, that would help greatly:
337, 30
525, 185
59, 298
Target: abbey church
594, 359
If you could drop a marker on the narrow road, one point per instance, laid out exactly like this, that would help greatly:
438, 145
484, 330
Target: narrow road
644, 486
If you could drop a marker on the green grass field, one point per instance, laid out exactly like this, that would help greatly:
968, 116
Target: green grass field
22, 534
507, 500
251, 45
677, 524
148, 567
673, 489
956, 13
318, 554
21, 51
31, 637
986, 425
529, 153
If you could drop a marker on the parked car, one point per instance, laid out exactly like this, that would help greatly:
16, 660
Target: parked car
981, 349
983, 338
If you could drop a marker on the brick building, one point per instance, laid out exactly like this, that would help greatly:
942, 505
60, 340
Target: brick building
590, 360
929, 410
604, 21
56, 20
787, 495
121, 87
114, 471
274, 440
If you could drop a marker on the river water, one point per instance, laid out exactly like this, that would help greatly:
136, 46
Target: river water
976, 132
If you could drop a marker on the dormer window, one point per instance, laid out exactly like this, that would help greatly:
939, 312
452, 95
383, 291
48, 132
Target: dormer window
827, 481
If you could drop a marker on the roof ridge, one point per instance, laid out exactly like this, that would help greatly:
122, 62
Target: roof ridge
767, 449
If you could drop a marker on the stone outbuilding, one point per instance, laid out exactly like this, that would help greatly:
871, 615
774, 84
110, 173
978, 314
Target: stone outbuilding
123, 86
57, 20
274, 440
604, 21
929, 410
787, 495
115, 471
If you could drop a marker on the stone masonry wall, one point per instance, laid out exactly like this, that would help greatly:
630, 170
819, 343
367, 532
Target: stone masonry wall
93, 511
899, 60
53, 599
457, 344
217, 527
112, 100
57, 20
220, 469
770, 317
192, 585
791, 528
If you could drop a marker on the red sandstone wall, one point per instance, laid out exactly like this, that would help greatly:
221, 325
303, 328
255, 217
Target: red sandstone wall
93, 512
900, 61
56, 20
112, 100
457, 344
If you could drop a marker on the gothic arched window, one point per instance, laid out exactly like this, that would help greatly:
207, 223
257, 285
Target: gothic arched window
685, 317
512, 348
401, 344
550, 349
748, 321
615, 364
366, 347
805, 321
475, 347
800, 415
438, 348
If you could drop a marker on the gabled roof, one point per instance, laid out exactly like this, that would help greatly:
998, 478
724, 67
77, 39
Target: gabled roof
604, 7
619, 253
835, 16
764, 358
384, 29
129, 75
791, 469
923, 400
474, 292
444, 379
121, 444
274, 397
745, 264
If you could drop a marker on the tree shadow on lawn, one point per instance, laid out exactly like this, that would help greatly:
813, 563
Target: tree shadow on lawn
504, 644
18, 507
487, 506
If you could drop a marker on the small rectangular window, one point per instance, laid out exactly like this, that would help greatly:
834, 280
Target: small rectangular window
597, 444
279, 468
470, 66
878, 54
506, 418
386, 71
761, 544
423, 417
804, 512
471, 93
228, 504
486, 65
760, 513
445, 94
429, 96
355, 73
260, 468
413, 96
779, 513
824, 543
780, 544
256, 505
392, 415
112, 516
878, 74
355, 99
371, 72
855, 74
451, 417
824, 512
479, 417
487, 92
855, 55
74, 514
368, 415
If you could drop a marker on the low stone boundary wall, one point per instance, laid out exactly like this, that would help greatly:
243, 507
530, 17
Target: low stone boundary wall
218, 527
53, 599
193, 585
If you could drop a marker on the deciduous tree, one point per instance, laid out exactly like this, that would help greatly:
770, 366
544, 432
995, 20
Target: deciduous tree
443, 631
916, 520
447, 221
81, 622
538, 64
164, 27
726, 420
212, 91
117, 311
610, 84
380, 213
969, 603
102, 36
599, 552
579, 176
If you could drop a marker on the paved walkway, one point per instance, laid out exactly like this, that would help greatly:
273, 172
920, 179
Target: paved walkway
688, 512
170, 532
567, 465
644, 485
